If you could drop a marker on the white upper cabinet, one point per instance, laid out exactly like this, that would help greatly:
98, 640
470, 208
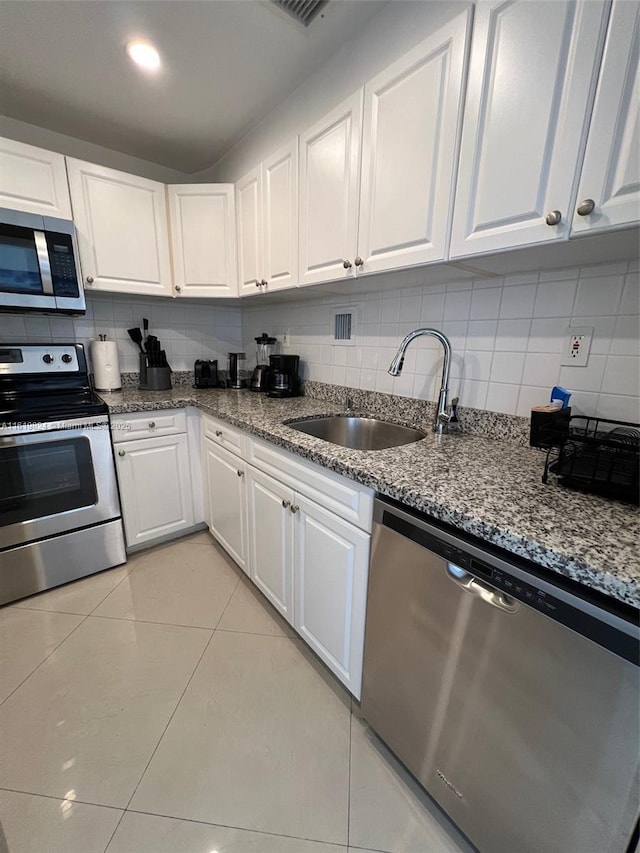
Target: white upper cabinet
33, 180
412, 114
203, 239
610, 180
267, 200
329, 191
122, 228
249, 216
280, 218
531, 83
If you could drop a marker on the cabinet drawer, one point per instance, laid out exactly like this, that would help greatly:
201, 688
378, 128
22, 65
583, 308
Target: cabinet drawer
347, 499
147, 424
224, 435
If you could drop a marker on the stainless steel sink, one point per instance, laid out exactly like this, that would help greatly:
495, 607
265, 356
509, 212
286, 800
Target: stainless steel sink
358, 433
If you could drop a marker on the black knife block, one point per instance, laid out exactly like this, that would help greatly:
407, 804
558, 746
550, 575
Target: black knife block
153, 378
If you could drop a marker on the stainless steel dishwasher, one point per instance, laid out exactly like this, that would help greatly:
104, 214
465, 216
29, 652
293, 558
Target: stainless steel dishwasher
513, 701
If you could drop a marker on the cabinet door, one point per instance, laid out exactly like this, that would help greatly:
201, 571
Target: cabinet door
412, 115
33, 180
249, 215
203, 240
122, 230
224, 478
611, 170
271, 539
531, 84
155, 487
329, 188
331, 568
280, 217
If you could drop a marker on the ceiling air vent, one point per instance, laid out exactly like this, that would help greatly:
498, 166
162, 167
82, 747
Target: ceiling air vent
304, 11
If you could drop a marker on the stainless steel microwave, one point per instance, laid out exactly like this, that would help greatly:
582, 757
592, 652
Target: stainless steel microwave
39, 269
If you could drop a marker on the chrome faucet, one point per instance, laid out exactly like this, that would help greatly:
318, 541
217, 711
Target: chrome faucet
443, 416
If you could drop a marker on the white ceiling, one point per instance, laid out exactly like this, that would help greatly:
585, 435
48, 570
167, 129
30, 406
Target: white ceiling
226, 64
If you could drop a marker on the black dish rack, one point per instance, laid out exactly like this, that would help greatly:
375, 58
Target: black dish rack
597, 455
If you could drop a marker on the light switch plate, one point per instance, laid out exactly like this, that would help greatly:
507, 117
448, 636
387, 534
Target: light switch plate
577, 345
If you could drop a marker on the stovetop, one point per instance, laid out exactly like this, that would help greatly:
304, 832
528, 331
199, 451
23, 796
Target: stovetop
44, 383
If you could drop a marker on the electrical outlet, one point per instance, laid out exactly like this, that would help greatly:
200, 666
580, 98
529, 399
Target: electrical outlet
577, 344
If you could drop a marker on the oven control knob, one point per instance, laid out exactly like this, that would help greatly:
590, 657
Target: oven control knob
47, 358
67, 358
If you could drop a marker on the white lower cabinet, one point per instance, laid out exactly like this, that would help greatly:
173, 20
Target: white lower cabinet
155, 487
226, 500
331, 571
271, 539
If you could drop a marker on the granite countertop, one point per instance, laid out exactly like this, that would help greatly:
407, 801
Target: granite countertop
491, 489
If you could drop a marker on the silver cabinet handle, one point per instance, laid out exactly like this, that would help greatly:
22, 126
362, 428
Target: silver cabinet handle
89, 279
294, 509
152, 424
553, 218
218, 432
178, 288
258, 284
264, 282
347, 264
359, 262
586, 207
286, 503
487, 593
121, 453
240, 473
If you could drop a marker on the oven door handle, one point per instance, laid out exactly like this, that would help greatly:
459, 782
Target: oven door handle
479, 589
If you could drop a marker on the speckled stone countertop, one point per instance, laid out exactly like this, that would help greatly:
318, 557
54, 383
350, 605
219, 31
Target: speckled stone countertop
488, 488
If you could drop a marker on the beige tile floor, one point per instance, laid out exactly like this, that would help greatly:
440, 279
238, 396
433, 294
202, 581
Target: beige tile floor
164, 707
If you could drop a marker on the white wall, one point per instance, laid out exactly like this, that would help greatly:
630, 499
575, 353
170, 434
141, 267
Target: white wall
398, 27
80, 149
186, 331
506, 335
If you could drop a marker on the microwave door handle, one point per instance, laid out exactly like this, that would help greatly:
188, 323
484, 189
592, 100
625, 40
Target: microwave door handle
42, 251
476, 587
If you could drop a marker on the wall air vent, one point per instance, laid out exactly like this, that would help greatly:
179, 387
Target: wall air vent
304, 11
344, 325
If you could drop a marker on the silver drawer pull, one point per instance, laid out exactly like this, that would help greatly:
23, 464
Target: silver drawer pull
586, 207
295, 509
482, 590
121, 453
286, 503
152, 424
240, 473
219, 433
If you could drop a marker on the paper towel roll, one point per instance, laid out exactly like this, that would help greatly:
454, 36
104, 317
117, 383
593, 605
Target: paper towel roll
106, 366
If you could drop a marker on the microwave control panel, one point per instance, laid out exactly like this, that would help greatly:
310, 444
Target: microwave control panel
62, 263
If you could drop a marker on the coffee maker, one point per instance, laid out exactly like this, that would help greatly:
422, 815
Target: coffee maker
260, 375
283, 379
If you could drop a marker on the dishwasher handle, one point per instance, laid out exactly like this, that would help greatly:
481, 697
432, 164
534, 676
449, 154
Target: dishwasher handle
474, 586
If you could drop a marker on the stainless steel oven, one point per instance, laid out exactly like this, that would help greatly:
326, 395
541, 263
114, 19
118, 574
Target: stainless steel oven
39, 269
59, 506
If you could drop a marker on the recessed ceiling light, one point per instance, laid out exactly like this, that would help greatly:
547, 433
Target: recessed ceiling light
144, 54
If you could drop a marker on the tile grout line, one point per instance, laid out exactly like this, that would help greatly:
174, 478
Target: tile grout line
86, 616
164, 731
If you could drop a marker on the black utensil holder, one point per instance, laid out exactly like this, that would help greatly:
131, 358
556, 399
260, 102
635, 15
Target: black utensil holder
154, 378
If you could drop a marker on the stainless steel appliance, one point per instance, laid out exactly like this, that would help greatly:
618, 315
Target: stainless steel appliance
237, 378
39, 269
283, 379
260, 376
59, 507
513, 700
205, 373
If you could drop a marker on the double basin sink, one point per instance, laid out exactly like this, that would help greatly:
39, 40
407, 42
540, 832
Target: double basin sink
357, 432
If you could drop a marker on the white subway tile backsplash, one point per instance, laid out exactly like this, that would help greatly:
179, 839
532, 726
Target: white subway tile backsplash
507, 367
630, 302
621, 376
548, 335
477, 365
481, 334
485, 303
541, 369
36, 327
502, 398
598, 296
603, 330
457, 305
12, 328
474, 393
512, 335
555, 298
587, 378
529, 397
625, 339
518, 301
618, 408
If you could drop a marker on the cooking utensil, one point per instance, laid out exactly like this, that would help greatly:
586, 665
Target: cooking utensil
145, 327
136, 337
